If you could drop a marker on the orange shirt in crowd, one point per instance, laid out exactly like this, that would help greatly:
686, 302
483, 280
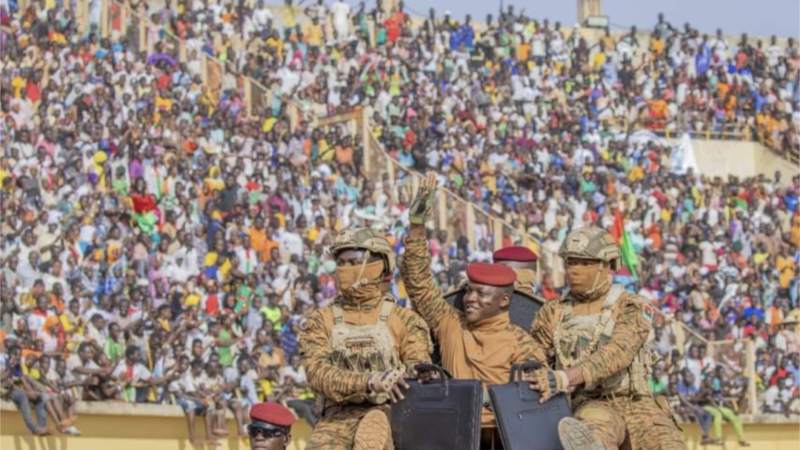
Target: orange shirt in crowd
261, 243
654, 233
344, 155
57, 303
657, 47
658, 108
723, 89
741, 59
710, 307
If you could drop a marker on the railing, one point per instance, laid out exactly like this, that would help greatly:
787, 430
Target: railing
738, 359
141, 34
455, 215
675, 127
711, 130
118, 20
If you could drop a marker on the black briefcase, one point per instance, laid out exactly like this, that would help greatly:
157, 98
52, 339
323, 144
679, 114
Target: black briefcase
523, 422
442, 414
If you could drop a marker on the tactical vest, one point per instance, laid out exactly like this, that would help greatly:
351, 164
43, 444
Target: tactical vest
364, 348
578, 337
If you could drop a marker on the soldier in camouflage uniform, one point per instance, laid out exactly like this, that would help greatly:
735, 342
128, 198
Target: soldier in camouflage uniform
356, 350
599, 341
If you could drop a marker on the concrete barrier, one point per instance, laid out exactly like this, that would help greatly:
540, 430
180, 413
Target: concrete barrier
124, 426
739, 158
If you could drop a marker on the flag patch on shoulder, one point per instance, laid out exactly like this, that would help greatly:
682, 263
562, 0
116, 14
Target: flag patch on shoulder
648, 312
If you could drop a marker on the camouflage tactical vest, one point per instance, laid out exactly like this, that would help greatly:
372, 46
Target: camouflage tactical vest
578, 337
364, 348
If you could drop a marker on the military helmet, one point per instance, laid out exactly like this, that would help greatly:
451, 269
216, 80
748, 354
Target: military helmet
365, 239
590, 243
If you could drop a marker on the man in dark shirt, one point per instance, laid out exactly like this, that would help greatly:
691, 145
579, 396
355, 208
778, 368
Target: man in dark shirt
228, 195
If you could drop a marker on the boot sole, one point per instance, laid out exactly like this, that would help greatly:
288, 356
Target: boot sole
575, 435
372, 432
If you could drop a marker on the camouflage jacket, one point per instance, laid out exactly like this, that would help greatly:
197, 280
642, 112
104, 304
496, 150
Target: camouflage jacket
410, 334
632, 326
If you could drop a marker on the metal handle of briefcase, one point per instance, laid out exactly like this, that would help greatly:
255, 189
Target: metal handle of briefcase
444, 375
428, 367
518, 369
515, 376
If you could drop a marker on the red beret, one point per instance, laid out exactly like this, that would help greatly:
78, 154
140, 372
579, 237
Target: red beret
491, 274
516, 253
273, 414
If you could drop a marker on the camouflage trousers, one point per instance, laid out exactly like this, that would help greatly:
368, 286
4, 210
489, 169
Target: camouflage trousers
336, 430
625, 423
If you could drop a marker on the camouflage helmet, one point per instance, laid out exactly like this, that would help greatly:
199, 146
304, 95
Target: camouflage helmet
590, 243
365, 239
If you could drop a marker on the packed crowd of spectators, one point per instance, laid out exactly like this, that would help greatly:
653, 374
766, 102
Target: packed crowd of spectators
160, 244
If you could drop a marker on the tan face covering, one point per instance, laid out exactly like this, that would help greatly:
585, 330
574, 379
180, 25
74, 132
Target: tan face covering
361, 281
525, 279
588, 282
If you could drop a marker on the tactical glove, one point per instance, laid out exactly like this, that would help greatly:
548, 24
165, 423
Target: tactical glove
551, 382
423, 201
382, 382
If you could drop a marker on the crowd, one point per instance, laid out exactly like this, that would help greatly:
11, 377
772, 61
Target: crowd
157, 246
160, 244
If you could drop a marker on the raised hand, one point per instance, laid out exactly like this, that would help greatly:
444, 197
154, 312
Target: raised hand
423, 202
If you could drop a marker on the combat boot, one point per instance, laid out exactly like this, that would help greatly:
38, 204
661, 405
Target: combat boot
575, 435
374, 432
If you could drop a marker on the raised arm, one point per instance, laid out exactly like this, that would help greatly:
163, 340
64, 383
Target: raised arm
416, 266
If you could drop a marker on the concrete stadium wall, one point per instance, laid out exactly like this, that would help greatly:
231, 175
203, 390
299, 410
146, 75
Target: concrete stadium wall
740, 158
122, 426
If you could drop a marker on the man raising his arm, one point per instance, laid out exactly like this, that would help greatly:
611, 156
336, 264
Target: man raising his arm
480, 343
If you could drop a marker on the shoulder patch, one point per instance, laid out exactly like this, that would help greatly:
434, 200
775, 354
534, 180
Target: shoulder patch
648, 312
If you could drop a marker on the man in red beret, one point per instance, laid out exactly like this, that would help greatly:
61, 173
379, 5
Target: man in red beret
523, 261
270, 427
524, 303
481, 342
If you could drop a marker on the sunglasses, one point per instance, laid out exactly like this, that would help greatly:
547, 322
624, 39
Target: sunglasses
266, 433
